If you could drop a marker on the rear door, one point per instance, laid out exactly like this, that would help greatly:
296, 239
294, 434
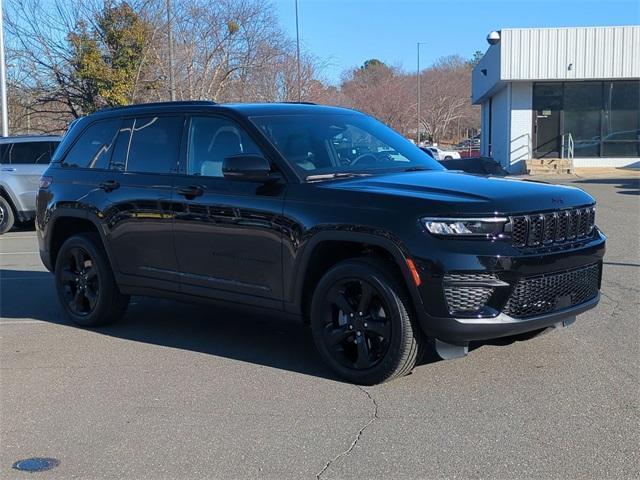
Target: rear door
227, 232
138, 192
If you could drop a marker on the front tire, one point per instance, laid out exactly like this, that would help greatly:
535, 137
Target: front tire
361, 323
7, 218
85, 283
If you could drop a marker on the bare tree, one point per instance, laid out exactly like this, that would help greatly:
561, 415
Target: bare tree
381, 91
445, 93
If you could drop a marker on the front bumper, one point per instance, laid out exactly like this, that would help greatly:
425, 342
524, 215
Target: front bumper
495, 320
464, 330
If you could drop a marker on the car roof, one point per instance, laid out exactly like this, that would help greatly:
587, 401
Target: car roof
30, 138
245, 109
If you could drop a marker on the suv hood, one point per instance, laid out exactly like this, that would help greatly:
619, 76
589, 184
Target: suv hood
478, 193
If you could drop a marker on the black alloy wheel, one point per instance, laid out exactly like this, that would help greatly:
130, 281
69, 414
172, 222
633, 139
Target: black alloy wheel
80, 282
357, 324
361, 322
85, 283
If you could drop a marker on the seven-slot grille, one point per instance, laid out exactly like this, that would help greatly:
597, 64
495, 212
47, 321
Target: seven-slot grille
542, 294
550, 228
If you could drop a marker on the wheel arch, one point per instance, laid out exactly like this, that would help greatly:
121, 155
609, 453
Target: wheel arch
326, 249
6, 194
65, 223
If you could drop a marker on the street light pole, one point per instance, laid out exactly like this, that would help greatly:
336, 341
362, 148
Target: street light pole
172, 80
298, 54
418, 90
3, 79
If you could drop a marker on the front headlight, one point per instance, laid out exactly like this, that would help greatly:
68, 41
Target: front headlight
490, 227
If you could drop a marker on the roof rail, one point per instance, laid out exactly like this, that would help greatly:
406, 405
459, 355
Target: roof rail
185, 103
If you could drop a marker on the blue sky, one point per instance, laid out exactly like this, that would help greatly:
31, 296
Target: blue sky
345, 33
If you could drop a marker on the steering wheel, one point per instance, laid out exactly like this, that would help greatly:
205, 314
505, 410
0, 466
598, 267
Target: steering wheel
362, 159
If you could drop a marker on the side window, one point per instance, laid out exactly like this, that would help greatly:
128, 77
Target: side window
30, 153
93, 148
155, 145
121, 146
4, 152
211, 139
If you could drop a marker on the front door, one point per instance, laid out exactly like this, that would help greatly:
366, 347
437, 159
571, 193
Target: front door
547, 108
227, 232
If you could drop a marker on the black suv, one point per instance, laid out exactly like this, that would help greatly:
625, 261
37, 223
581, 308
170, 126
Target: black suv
320, 212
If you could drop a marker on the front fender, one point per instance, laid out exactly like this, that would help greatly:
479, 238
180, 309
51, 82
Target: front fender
347, 233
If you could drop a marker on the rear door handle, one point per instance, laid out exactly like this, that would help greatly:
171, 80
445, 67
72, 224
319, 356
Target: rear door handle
191, 191
8, 169
109, 185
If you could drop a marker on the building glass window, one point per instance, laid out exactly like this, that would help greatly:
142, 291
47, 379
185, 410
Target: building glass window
621, 119
582, 106
603, 118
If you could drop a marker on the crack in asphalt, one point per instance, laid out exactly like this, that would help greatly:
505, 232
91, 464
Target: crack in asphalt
346, 452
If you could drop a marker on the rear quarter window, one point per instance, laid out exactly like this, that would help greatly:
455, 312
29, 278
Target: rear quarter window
93, 147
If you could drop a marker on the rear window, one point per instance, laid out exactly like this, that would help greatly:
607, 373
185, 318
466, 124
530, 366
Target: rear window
93, 148
28, 153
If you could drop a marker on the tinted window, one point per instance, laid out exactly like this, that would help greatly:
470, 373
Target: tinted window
121, 146
320, 144
31, 152
211, 139
93, 148
582, 106
154, 145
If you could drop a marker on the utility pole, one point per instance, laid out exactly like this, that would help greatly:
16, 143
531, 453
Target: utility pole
3, 79
418, 90
297, 54
172, 80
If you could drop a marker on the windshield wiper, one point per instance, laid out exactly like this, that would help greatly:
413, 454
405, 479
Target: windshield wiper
415, 169
331, 176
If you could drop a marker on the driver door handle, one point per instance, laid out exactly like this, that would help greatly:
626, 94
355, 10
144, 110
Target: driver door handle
109, 185
191, 191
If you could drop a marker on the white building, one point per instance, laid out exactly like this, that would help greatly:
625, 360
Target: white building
541, 88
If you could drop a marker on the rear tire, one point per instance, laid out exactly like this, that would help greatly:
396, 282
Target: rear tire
85, 283
362, 325
7, 217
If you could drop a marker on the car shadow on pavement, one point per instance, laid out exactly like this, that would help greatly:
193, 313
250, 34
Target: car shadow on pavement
253, 336
240, 334
625, 186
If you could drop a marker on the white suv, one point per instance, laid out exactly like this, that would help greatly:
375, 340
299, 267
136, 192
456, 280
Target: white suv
23, 159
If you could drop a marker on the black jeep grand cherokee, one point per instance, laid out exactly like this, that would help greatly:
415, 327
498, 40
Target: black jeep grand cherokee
320, 212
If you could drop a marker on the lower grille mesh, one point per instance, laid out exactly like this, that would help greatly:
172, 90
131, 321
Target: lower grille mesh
546, 293
466, 299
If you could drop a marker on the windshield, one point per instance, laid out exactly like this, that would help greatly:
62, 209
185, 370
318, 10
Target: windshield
324, 144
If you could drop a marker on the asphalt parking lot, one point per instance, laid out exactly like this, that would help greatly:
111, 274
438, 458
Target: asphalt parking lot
179, 391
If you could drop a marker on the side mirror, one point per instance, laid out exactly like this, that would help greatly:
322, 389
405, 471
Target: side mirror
248, 167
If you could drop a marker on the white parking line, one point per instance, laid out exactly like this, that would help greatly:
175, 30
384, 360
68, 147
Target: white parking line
18, 253
19, 322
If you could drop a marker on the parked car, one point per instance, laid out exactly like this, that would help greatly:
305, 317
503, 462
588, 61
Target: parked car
320, 212
440, 154
428, 152
23, 159
476, 165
